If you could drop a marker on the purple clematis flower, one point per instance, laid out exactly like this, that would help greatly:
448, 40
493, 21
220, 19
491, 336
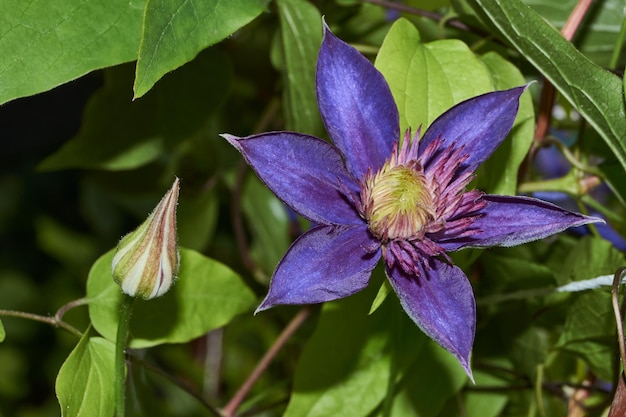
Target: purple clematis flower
374, 197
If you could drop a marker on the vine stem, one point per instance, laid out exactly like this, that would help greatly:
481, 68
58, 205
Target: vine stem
619, 274
56, 320
548, 92
126, 308
617, 405
419, 12
230, 408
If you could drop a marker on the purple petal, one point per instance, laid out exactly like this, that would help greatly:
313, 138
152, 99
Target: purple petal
442, 304
305, 172
324, 264
356, 105
479, 124
510, 221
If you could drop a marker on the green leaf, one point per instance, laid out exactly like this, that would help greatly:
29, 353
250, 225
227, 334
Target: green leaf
197, 218
430, 382
591, 257
354, 362
498, 175
118, 133
384, 290
485, 403
346, 364
506, 270
594, 92
428, 79
267, 218
2, 332
206, 296
614, 175
47, 43
301, 36
68, 247
589, 332
598, 31
175, 31
84, 383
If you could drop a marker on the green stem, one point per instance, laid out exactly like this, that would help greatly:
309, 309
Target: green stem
618, 45
565, 184
126, 308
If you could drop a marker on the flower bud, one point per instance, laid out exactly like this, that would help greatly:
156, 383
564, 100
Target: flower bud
146, 261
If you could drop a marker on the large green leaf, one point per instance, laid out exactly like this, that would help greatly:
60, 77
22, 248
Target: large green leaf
44, 43
175, 31
427, 79
433, 378
485, 403
590, 325
589, 332
206, 296
197, 218
84, 384
301, 35
118, 133
345, 367
593, 91
591, 257
598, 31
2, 332
269, 223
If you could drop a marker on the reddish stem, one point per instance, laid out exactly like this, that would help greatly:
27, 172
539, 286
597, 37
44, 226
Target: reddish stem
230, 408
548, 93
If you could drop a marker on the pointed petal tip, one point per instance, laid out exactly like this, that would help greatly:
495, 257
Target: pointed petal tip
593, 219
229, 137
233, 140
464, 362
261, 307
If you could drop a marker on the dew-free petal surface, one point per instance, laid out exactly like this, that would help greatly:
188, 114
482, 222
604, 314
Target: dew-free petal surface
324, 264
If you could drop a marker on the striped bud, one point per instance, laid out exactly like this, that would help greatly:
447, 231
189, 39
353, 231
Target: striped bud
146, 261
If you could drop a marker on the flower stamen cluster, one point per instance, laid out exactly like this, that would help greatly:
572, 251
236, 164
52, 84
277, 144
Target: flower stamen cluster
396, 201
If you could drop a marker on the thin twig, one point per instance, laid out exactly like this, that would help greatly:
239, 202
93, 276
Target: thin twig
214, 341
230, 408
575, 18
619, 275
67, 307
419, 12
548, 92
43, 319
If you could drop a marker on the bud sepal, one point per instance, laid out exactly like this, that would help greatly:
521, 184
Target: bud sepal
147, 260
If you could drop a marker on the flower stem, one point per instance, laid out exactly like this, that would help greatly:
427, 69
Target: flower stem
126, 308
230, 408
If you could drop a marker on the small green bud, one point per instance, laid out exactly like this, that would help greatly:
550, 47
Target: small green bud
146, 261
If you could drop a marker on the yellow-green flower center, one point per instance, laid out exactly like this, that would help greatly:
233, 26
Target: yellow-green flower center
397, 202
